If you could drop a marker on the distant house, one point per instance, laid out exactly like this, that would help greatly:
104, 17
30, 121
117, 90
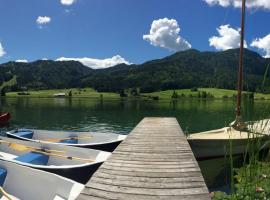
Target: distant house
59, 95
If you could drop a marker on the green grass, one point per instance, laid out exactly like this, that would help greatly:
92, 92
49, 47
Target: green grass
163, 95
86, 92
217, 93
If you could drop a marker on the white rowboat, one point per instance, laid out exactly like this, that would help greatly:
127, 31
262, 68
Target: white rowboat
78, 164
23, 183
94, 140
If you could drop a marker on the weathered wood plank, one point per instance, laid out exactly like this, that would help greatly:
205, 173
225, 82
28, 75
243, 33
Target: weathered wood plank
154, 162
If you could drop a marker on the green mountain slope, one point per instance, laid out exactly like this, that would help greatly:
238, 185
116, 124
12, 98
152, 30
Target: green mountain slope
43, 74
185, 69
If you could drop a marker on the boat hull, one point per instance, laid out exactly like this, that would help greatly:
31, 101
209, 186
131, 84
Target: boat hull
78, 174
207, 149
111, 146
104, 147
4, 118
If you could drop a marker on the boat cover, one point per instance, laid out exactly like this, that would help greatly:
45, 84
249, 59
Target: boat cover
33, 158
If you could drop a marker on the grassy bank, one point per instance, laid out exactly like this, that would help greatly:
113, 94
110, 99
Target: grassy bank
77, 93
162, 95
214, 92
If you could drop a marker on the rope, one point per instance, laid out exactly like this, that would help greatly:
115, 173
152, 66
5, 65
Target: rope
5, 194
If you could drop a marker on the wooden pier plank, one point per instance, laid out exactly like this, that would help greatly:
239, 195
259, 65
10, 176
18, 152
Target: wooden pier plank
154, 162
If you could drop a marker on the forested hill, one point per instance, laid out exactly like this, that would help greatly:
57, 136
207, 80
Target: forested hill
185, 69
42, 74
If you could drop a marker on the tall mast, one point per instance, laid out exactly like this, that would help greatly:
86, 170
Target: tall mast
238, 121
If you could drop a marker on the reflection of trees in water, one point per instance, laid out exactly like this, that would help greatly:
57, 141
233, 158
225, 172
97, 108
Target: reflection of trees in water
217, 172
122, 115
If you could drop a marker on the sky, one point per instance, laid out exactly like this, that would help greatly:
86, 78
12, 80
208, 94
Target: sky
102, 33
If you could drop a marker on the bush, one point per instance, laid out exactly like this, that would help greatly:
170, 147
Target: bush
122, 93
225, 97
203, 95
194, 89
155, 97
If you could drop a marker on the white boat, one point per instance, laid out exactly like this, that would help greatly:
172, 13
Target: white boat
223, 142
94, 140
23, 183
74, 163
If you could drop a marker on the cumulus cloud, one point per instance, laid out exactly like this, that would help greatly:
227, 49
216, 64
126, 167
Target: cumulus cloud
67, 2
228, 38
263, 44
22, 61
263, 4
165, 33
2, 50
97, 63
43, 20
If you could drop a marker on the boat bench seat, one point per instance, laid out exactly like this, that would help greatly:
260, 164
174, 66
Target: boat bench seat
24, 133
33, 158
3, 174
69, 141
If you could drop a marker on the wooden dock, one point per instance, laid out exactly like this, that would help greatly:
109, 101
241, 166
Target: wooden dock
154, 162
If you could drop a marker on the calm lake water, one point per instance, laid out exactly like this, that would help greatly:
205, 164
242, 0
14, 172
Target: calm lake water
122, 116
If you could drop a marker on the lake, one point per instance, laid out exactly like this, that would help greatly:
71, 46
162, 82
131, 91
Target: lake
118, 116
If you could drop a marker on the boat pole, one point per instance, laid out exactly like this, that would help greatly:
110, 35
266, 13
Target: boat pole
238, 123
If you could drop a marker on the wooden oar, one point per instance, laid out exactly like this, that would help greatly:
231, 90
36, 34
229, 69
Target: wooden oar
5, 194
66, 157
22, 147
68, 138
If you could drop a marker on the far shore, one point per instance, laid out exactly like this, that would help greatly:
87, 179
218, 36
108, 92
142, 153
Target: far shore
175, 95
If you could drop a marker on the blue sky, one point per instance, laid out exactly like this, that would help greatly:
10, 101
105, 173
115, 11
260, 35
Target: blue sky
100, 29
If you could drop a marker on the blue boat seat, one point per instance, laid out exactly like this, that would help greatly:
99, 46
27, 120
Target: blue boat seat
24, 133
33, 158
70, 141
3, 174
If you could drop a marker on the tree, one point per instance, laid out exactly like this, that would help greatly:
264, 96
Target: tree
3, 92
122, 93
174, 95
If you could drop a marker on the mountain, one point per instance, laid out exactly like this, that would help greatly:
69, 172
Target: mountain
43, 74
185, 69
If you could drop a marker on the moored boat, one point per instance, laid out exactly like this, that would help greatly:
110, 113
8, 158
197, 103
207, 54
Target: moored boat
95, 140
20, 182
4, 118
223, 142
236, 138
74, 163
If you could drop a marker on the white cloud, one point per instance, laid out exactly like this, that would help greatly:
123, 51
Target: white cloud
228, 38
263, 4
263, 44
43, 20
2, 50
22, 61
67, 2
165, 33
97, 63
